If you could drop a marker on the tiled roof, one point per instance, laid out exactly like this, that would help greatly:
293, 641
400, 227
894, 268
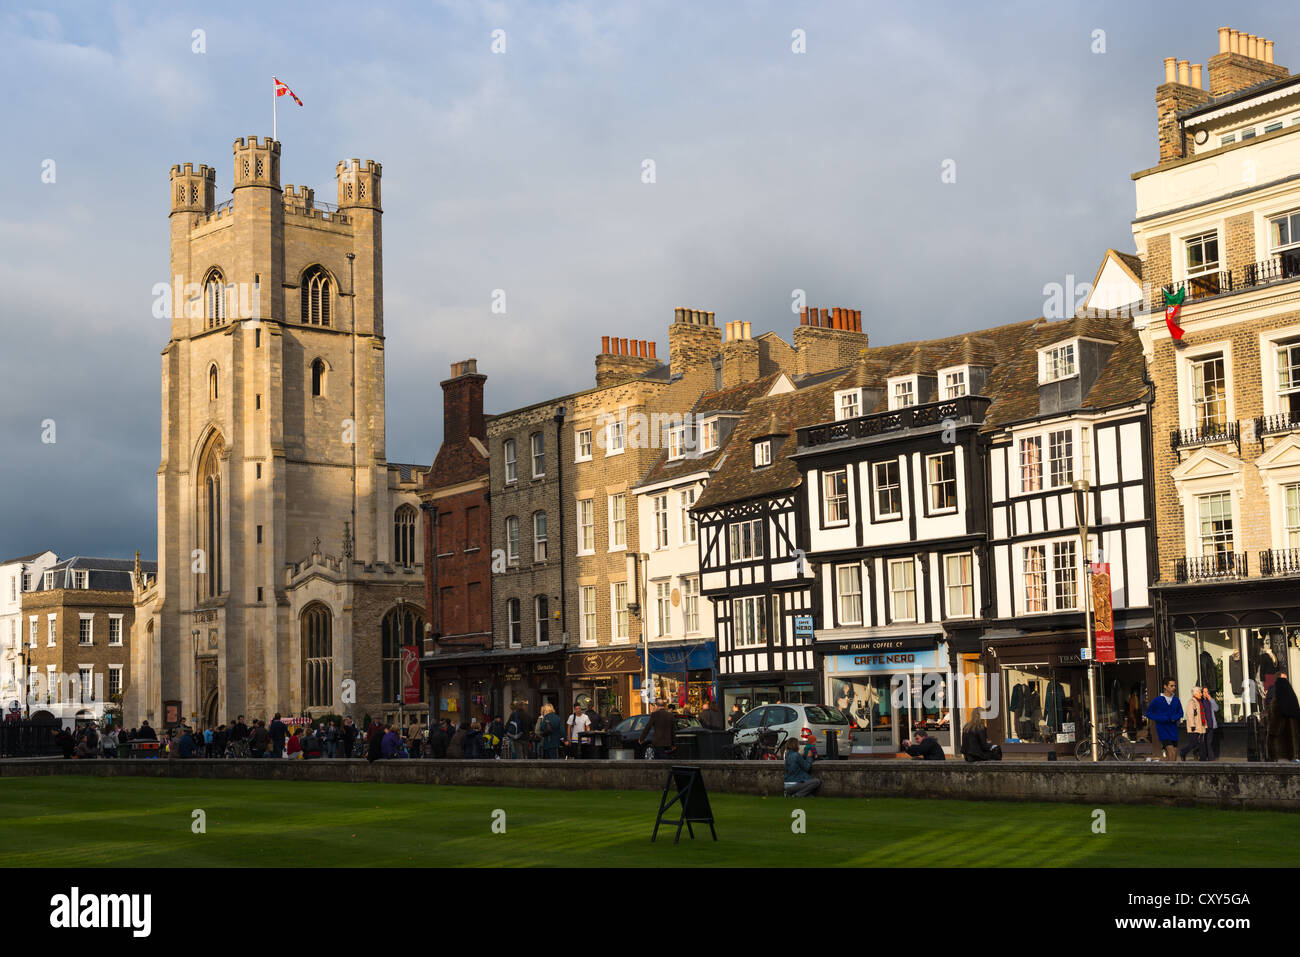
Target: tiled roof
105, 574
735, 399
408, 473
786, 412
22, 558
1132, 262
455, 464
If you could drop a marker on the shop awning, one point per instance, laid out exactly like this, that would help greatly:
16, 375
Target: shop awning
674, 659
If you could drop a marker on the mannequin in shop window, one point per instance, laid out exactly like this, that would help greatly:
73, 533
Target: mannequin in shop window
1054, 705
1025, 705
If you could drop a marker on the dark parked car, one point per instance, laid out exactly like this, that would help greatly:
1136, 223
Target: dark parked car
629, 729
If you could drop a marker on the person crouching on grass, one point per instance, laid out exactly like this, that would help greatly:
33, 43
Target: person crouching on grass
798, 781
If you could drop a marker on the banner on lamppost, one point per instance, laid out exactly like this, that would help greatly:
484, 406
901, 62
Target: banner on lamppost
1103, 615
411, 669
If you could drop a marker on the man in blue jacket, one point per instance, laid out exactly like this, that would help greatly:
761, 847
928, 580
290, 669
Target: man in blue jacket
1166, 711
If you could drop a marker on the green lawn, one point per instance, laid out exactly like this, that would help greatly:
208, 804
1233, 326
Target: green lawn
124, 822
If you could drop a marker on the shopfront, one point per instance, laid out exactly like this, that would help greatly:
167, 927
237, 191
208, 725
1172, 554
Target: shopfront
790, 687
891, 687
1039, 691
1235, 639
470, 686
683, 674
603, 679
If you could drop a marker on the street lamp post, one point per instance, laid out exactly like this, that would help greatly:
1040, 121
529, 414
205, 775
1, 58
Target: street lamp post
1081, 492
635, 607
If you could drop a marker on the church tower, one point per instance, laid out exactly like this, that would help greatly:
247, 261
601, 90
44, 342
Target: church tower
273, 457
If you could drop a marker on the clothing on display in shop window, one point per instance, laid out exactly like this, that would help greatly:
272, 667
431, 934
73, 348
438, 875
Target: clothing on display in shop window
1209, 677
1054, 705
1235, 673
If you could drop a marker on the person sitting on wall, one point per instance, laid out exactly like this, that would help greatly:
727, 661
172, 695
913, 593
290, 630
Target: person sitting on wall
924, 747
975, 740
798, 781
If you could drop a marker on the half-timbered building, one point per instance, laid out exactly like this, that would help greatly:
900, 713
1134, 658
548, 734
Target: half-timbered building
895, 514
752, 565
1075, 410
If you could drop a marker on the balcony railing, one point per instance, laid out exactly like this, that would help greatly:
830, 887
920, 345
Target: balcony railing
1276, 424
968, 409
1279, 267
1279, 561
1221, 566
1212, 433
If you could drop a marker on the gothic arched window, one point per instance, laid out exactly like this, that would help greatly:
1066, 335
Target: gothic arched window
214, 299
403, 625
404, 536
316, 290
318, 377
212, 383
210, 535
317, 656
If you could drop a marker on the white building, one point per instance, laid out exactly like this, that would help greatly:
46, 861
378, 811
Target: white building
681, 634
17, 575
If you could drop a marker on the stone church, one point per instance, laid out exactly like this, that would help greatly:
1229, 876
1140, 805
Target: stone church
290, 572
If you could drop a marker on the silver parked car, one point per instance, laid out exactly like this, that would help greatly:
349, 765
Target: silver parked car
771, 725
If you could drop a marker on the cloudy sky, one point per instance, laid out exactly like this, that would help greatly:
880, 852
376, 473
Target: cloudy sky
521, 171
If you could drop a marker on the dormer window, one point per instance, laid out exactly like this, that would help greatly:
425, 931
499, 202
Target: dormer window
954, 383
709, 437
848, 404
902, 393
676, 443
1057, 362
49, 581
762, 453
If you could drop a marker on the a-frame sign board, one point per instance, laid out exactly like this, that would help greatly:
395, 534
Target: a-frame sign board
693, 800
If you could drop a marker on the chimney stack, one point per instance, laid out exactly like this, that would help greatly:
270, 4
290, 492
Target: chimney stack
1243, 60
462, 404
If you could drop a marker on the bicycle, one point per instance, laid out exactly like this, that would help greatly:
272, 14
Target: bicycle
1112, 742
766, 747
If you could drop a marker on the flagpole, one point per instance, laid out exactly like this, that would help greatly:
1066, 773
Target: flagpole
275, 95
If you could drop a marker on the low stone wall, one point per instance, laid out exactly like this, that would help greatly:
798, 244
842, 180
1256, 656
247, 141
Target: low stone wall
1227, 785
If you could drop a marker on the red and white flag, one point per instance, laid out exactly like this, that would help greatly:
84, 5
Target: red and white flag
282, 88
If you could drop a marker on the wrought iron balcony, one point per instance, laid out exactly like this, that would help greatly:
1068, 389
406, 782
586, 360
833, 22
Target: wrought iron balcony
1279, 561
1220, 566
1279, 267
1276, 424
1210, 433
966, 410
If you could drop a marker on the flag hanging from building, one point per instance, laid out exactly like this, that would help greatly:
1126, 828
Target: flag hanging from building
283, 88
1173, 303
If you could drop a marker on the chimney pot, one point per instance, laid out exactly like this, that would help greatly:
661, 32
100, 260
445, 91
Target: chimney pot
746, 335
677, 315
1183, 77
622, 347
1268, 51
1196, 76
1223, 39
604, 345
826, 318
1234, 41
645, 350
1255, 51
652, 350
857, 320
1171, 69
803, 316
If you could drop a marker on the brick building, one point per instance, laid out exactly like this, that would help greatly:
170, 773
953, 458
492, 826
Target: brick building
569, 601
457, 552
1216, 223
76, 650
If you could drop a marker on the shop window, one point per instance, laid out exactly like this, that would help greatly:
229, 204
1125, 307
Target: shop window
1238, 666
